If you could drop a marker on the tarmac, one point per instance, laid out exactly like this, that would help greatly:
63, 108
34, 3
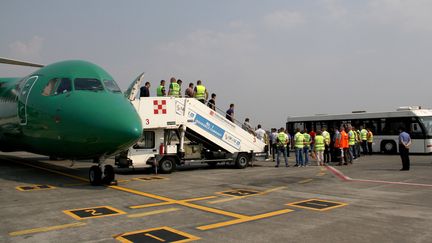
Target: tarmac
369, 201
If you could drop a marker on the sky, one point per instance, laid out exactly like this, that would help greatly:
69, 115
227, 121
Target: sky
272, 59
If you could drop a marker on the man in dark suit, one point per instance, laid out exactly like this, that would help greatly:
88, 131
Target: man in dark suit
145, 90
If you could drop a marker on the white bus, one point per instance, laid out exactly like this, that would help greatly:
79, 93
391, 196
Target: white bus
384, 125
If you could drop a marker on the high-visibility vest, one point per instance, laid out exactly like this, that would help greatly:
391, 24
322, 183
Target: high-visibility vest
200, 93
319, 143
344, 140
352, 138
282, 137
299, 140
175, 89
159, 90
370, 137
307, 140
326, 136
363, 134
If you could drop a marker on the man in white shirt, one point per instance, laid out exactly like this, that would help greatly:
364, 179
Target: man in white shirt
260, 133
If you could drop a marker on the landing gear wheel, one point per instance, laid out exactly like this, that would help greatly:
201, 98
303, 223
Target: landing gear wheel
95, 175
109, 175
242, 161
166, 165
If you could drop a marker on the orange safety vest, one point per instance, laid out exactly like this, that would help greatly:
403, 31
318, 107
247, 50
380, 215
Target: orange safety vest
344, 140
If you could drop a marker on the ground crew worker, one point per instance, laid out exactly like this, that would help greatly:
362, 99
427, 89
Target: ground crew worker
351, 143
282, 142
344, 147
369, 140
299, 144
363, 136
326, 136
200, 92
273, 143
358, 142
307, 141
174, 88
160, 91
319, 147
336, 153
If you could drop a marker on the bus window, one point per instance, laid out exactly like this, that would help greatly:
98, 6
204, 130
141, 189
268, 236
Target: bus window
427, 124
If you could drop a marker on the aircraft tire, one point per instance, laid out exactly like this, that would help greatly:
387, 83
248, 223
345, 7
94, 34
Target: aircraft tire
95, 175
242, 161
109, 175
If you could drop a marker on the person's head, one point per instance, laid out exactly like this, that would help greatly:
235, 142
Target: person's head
259, 126
162, 82
281, 129
213, 96
324, 128
297, 129
342, 128
179, 82
173, 80
247, 120
199, 82
319, 132
273, 129
232, 106
368, 129
401, 129
191, 85
147, 84
305, 130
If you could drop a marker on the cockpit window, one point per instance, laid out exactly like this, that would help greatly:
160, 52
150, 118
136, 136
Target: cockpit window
111, 86
64, 86
50, 87
91, 84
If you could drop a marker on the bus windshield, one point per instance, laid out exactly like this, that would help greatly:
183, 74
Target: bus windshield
427, 122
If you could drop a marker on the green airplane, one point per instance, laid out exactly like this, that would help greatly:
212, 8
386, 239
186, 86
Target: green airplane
71, 110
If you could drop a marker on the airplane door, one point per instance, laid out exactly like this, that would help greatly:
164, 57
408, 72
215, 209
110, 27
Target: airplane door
23, 98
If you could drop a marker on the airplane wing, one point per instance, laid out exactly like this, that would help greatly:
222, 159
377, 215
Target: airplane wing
20, 63
133, 89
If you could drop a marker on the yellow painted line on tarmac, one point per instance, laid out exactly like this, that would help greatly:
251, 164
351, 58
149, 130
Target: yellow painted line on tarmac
52, 171
173, 202
138, 215
305, 181
243, 220
46, 229
231, 198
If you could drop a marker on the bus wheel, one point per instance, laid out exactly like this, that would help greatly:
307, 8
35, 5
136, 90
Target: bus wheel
242, 161
166, 165
388, 147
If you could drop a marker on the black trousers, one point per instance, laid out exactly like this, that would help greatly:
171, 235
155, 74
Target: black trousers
369, 148
326, 154
404, 154
364, 147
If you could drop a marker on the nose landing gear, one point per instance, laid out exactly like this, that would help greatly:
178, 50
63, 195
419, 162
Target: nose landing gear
101, 174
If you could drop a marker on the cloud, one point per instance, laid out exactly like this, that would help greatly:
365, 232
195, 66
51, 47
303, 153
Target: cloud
27, 49
284, 19
335, 8
414, 15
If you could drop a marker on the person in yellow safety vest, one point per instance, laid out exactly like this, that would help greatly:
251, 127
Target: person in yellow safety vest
307, 141
282, 142
351, 143
200, 92
319, 147
298, 145
363, 136
160, 91
358, 143
326, 136
369, 140
174, 88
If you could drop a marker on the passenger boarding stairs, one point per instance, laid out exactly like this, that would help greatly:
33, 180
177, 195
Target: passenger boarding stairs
202, 122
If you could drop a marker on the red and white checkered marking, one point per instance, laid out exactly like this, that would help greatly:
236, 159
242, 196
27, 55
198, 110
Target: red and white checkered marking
159, 107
